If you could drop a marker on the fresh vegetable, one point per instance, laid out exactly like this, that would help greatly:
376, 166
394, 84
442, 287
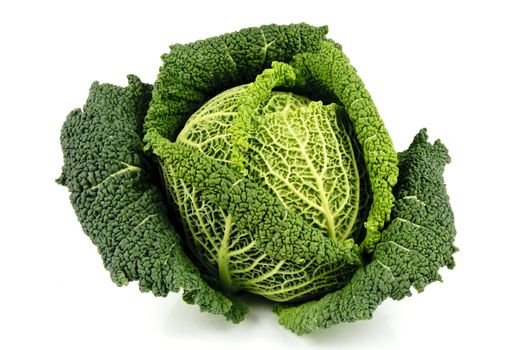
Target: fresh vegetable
257, 162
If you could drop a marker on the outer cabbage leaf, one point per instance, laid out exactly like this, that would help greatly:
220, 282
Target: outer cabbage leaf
118, 204
329, 73
417, 242
194, 73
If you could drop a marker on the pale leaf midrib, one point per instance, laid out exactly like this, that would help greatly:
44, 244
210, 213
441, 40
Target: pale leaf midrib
127, 167
223, 255
325, 205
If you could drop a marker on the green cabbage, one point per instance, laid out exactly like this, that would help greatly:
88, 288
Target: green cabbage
277, 177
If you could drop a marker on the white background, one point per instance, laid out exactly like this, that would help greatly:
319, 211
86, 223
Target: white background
454, 67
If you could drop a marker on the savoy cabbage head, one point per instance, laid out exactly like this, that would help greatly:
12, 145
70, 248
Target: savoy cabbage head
277, 178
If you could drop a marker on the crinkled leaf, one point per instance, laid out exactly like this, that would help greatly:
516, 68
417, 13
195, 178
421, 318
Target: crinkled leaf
118, 204
417, 242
